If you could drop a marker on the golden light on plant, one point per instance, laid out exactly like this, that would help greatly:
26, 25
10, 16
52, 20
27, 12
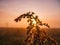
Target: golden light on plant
37, 37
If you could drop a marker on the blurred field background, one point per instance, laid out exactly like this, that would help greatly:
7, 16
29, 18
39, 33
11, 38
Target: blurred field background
15, 36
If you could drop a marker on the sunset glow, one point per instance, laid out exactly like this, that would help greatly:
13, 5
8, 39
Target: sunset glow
47, 10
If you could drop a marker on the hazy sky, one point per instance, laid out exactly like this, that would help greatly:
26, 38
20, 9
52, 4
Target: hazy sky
47, 10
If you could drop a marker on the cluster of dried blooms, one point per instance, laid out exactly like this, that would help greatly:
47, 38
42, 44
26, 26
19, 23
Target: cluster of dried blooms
36, 36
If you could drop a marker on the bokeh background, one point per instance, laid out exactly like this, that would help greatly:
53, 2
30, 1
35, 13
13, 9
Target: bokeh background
12, 33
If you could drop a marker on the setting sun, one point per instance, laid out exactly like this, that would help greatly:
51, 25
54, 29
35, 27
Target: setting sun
34, 22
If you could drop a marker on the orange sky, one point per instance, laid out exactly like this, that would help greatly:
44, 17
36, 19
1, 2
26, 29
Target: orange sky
47, 10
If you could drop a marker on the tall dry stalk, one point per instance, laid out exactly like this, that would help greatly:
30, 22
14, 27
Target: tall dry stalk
34, 35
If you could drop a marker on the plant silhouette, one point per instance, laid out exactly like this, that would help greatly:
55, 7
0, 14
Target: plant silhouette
36, 36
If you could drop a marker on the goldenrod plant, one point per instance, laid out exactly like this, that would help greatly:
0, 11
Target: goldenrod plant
34, 35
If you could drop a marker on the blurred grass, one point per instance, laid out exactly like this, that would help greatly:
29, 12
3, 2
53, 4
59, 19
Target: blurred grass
15, 36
